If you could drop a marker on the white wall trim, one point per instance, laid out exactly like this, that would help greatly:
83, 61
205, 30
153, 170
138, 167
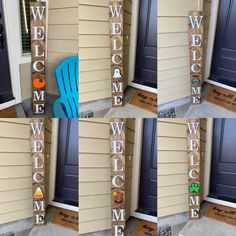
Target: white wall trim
136, 165
207, 174
53, 160
12, 21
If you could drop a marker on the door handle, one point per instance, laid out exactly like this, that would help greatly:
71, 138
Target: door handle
1, 37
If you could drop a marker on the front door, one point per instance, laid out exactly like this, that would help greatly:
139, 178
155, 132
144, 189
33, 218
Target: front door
67, 163
146, 55
223, 69
223, 166
148, 176
5, 77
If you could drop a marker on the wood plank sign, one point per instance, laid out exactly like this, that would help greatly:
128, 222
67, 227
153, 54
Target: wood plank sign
193, 149
196, 54
117, 146
38, 38
38, 170
117, 63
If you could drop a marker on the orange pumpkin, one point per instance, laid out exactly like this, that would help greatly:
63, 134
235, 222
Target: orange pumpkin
39, 83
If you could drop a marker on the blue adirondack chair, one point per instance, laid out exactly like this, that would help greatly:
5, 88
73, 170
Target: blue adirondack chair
67, 73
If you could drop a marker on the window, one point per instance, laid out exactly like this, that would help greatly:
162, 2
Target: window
25, 25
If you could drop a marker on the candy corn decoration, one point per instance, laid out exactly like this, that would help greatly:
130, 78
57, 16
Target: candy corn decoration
38, 193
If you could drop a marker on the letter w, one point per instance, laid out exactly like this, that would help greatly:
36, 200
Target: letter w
115, 10
37, 128
36, 12
117, 126
196, 21
193, 127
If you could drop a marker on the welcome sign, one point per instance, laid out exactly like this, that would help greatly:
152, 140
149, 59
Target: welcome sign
117, 139
38, 170
196, 54
193, 142
116, 35
38, 35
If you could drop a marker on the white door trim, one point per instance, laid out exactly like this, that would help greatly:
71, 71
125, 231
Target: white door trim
143, 87
53, 169
207, 174
210, 45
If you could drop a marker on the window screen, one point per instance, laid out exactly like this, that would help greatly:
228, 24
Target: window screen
26, 42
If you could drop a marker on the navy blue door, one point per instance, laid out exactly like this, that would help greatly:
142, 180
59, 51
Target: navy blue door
146, 54
148, 176
67, 163
223, 68
223, 163
5, 77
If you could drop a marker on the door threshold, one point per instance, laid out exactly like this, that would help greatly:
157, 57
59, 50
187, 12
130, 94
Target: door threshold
143, 87
221, 85
220, 202
64, 206
142, 216
7, 104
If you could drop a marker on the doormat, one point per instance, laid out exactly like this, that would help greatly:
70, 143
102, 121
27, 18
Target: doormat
167, 113
66, 218
165, 230
88, 114
222, 213
145, 228
144, 100
8, 113
222, 97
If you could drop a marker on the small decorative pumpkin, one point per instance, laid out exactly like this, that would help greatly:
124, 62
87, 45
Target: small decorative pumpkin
39, 83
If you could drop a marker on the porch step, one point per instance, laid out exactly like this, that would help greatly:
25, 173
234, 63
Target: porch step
17, 228
207, 227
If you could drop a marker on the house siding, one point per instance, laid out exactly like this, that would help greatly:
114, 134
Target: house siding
173, 48
94, 48
95, 173
16, 169
173, 165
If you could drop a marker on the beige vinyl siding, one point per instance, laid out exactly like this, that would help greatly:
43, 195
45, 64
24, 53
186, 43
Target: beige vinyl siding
173, 49
26, 85
94, 48
62, 37
173, 165
15, 170
95, 173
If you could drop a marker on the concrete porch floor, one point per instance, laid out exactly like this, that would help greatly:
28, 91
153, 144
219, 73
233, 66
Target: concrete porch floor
26, 227
184, 108
102, 108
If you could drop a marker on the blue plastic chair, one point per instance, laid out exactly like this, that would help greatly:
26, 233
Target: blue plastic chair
67, 73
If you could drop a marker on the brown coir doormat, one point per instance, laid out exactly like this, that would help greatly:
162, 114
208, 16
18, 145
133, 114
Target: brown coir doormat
145, 228
144, 100
222, 213
66, 218
8, 113
222, 97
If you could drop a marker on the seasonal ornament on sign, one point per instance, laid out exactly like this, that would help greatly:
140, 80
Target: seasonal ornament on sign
193, 149
196, 54
38, 170
117, 139
38, 38
117, 63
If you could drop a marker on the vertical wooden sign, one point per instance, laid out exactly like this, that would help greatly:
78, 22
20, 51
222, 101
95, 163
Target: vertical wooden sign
196, 54
116, 39
38, 170
193, 149
117, 146
38, 38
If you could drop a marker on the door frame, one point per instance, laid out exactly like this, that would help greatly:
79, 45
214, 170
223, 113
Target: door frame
133, 48
53, 169
211, 43
207, 173
136, 173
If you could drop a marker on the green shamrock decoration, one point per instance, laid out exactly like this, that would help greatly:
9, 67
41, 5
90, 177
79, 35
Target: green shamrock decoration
194, 188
